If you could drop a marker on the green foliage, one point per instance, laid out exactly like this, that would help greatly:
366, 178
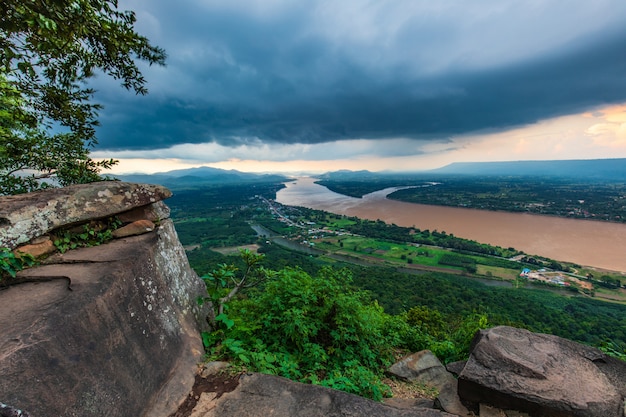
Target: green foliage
48, 51
449, 336
393, 233
428, 320
217, 215
312, 329
92, 234
452, 259
614, 349
581, 319
223, 284
280, 326
11, 264
216, 231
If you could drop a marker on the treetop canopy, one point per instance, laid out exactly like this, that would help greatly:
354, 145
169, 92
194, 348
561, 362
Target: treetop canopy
48, 50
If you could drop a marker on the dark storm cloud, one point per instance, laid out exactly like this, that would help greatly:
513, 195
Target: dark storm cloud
238, 77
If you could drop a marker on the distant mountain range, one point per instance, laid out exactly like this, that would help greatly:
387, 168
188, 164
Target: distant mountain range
581, 168
345, 174
192, 177
601, 169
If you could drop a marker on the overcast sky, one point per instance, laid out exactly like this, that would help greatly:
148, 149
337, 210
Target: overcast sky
280, 85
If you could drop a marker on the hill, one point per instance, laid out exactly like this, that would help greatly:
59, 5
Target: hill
606, 169
185, 178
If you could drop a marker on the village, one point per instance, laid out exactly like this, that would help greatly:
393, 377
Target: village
556, 278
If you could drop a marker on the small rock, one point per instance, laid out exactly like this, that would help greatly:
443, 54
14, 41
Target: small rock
36, 250
39, 239
424, 367
456, 367
213, 368
489, 411
135, 228
8, 411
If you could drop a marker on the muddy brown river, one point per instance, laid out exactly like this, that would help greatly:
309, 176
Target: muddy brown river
585, 242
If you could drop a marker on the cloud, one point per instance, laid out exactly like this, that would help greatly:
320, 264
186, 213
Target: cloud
246, 74
611, 131
209, 153
590, 135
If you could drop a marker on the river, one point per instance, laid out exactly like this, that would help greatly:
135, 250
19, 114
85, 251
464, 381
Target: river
585, 242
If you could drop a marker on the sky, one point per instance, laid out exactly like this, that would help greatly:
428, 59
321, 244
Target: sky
404, 85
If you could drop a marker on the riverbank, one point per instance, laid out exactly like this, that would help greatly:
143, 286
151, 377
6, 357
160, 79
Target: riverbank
583, 242
510, 279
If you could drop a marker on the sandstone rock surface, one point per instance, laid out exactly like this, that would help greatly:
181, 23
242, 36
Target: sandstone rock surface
27, 216
424, 367
542, 375
111, 330
267, 395
138, 227
124, 342
38, 249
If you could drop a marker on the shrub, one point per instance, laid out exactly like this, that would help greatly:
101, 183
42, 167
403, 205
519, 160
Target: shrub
11, 264
312, 329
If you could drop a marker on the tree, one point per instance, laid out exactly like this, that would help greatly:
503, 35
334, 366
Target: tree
224, 283
48, 50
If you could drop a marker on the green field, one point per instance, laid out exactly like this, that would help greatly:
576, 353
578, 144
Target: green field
497, 272
404, 255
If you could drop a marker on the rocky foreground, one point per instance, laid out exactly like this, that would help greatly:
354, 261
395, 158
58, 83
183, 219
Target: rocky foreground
510, 373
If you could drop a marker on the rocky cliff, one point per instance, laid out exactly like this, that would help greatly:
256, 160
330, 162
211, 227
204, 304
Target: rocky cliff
106, 330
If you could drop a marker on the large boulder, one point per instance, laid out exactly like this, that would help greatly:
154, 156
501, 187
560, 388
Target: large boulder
267, 395
110, 330
26, 216
542, 375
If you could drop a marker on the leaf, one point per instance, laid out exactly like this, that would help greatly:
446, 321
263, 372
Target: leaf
208, 339
224, 319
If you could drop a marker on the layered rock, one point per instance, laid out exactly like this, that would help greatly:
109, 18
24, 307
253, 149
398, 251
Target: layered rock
542, 375
110, 330
27, 216
267, 395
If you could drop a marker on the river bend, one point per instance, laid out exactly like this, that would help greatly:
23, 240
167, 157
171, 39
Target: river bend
585, 242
